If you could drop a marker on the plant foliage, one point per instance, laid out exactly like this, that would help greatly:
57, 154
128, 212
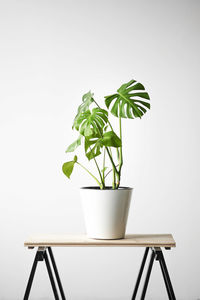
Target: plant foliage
95, 144
69, 166
130, 101
91, 123
87, 99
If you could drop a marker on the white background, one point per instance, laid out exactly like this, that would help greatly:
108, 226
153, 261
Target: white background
51, 53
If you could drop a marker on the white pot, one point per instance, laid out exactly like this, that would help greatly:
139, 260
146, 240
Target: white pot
105, 211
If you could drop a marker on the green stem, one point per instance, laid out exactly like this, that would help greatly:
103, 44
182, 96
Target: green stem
102, 180
104, 159
120, 153
114, 179
96, 103
115, 172
111, 159
117, 153
110, 171
98, 182
120, 149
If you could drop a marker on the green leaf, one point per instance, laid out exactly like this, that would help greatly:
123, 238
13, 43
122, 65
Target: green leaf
110, 139
94, 144
91, 123
87, 99
89, 142
74, 145
127, 103
94, 147
95, 151
68, 167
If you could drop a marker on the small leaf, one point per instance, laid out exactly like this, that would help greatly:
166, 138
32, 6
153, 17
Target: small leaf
68, 167
74, 145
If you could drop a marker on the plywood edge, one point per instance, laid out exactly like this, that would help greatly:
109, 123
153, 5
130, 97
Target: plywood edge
30, 245
130, 240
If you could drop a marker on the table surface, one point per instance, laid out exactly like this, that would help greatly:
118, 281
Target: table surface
132, 240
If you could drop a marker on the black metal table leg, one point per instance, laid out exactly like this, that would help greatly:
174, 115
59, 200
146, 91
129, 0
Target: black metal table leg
165, 273
56, 273
41, 255
140, 274
148, 275
38, 257
51, 276
158, 255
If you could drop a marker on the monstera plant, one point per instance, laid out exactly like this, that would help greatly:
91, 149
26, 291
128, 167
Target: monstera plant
96, 133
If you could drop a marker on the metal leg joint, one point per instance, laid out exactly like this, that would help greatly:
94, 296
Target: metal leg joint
157, 255
42, 255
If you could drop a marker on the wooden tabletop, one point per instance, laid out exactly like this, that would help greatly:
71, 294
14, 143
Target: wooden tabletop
132, 240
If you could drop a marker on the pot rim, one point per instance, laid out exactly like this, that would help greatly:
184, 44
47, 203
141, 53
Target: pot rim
107, 188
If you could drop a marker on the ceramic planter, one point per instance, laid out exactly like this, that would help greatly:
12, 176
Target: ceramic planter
105, 211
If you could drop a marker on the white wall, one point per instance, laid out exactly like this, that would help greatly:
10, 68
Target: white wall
51, 52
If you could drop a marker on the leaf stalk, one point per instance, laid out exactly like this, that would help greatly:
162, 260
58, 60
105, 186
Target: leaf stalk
120, 153
98, 182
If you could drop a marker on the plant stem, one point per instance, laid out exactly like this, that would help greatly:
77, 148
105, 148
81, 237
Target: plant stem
98, 182
120, 153
110, 156
96, 103
114, 173
104, 159
110, 127
102, 180
109, 172
114, 179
